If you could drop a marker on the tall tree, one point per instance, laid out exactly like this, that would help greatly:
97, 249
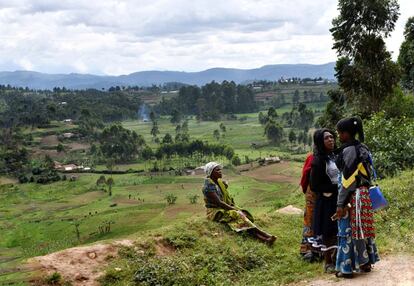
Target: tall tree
334, 111
274, 132
406, 56
365, 70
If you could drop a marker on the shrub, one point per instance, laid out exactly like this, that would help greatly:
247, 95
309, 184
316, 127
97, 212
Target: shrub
171, 198
391, 142
54, 279
193, 199
236, 160
60, 148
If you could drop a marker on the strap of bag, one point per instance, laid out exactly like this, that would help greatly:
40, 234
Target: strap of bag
371, 161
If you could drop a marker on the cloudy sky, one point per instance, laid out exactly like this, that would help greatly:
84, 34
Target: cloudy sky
120, 37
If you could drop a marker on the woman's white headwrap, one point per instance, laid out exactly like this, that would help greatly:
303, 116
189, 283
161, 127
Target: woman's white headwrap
209, 167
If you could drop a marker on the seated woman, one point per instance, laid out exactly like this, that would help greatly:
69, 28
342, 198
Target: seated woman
221, 207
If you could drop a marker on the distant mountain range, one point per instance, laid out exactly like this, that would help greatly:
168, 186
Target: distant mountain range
37, 80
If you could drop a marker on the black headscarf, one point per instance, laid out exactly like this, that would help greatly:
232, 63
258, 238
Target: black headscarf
352, 125
318, 141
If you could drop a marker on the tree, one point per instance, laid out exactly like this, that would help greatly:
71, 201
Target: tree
167, 139
406, 56
271, 113
274, 132
304, 139
216, 134
262, 118
120, 144
222, 127
101, 182
306, 117
152, 116
364, 69
154, 130
236, 160
176, 116
292, 136
296, 97
334, 111
110, 182
89, 123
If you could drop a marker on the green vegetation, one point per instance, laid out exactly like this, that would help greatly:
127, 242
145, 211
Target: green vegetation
202, 252
364, 69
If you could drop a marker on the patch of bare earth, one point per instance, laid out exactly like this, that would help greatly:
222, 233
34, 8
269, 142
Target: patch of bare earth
162, 247
273, 173
79, 265
51, 140
78, 146
172, 211
392, 270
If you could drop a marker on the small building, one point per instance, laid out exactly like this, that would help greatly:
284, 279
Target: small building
68, 135
272, 160
70, 167
68, 120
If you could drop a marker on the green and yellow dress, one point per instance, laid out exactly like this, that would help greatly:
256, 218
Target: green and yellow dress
232, 218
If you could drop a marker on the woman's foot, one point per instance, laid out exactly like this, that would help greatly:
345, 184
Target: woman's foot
366, 268
271, 240
330, 268
344, 275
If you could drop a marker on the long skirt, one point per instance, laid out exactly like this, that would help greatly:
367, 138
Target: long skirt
307, 232
232, 218
356, 245
325, 230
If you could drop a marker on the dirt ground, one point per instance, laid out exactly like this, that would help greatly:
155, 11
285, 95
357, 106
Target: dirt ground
51, 140
392, 270
273, 173
78, 146
82, 266
79, 265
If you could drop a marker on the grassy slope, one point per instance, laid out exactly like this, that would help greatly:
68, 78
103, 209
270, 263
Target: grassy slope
209, 254
37, 219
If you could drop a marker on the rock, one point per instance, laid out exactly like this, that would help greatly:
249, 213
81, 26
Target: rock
290, 210
92, 255
80, 277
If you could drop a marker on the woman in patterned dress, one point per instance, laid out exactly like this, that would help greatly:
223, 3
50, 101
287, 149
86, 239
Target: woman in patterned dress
356, 246
221, 207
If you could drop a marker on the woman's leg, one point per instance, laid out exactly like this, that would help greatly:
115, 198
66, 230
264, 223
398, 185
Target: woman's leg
261, 235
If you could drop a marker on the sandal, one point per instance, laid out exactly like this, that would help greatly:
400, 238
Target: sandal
366, 268
330, 268
344, 275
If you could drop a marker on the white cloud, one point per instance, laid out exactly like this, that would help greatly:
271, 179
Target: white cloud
120, 37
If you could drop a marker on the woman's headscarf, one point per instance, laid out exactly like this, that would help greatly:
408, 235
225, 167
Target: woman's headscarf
318, 140
352, 125
209, 167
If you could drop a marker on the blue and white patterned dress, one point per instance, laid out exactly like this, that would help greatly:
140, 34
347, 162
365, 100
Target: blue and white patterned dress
353, 253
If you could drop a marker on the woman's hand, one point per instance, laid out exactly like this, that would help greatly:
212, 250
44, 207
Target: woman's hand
340, 212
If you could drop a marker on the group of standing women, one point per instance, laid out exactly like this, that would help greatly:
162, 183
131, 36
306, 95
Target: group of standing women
338, 224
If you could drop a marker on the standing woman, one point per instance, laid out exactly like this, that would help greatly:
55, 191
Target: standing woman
356, 247
324, 182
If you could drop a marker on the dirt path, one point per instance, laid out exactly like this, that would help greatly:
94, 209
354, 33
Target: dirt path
392, 270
